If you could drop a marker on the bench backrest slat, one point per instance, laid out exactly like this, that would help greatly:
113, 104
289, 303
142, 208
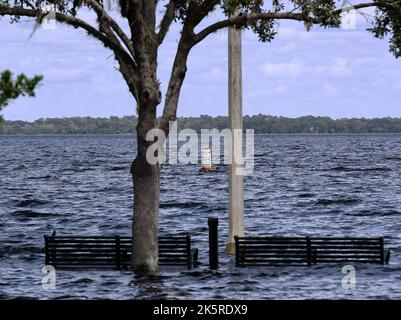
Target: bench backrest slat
111, 251
307, 250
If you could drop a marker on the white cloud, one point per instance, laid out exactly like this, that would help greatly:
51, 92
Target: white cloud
295, 68
217, 73
298, 32
66, 74
280, 88
362, 61
329, 90
286, 69
286, 48
338, 67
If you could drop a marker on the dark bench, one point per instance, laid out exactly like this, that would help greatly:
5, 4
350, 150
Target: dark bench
264, 251
113, 252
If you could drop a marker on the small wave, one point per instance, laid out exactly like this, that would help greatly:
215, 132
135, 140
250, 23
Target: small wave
217, 169
119, 168
368, 213
376, 169
338, 201
70, 297
393, 158
350, 169
30, 203
182, 204
23, 298
82, 280
13, 249
78, 169
338, 168
19, 167
262, 155
32, 214
305, 195
82, 169
40, 177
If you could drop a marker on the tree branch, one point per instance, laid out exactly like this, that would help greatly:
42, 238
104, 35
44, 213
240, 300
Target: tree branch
177, 77
74, 22
128, 71
174, 88
196, 14
138, 31
166, 22
245, 20
102, 14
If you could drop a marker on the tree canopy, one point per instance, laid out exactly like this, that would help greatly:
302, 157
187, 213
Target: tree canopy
12, 87
259, 123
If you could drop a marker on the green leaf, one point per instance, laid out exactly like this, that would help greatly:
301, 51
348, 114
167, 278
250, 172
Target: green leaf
13, 87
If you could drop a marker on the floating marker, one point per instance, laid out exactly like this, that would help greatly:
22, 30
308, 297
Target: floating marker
207, 160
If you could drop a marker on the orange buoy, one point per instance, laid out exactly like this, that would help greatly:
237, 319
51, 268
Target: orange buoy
207, 160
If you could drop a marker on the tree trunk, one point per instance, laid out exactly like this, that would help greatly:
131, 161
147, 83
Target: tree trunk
146, 180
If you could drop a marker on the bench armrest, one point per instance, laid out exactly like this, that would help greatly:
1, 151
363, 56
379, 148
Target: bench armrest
194, 257
386, 256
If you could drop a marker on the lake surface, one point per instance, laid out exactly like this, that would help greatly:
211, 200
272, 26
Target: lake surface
319, 185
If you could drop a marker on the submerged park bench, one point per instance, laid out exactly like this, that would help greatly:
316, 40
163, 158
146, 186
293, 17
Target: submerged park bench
113, 252
266, 251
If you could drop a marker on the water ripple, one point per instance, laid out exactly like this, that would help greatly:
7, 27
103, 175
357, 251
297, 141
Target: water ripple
321, 185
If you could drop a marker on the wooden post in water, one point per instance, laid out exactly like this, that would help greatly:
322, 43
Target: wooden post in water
213, 243
236, 182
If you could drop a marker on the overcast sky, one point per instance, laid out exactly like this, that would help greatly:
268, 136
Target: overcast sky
336, 73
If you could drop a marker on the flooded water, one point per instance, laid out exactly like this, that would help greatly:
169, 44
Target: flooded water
326, 185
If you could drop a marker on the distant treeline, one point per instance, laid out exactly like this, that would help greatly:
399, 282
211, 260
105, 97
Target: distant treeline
260, 123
